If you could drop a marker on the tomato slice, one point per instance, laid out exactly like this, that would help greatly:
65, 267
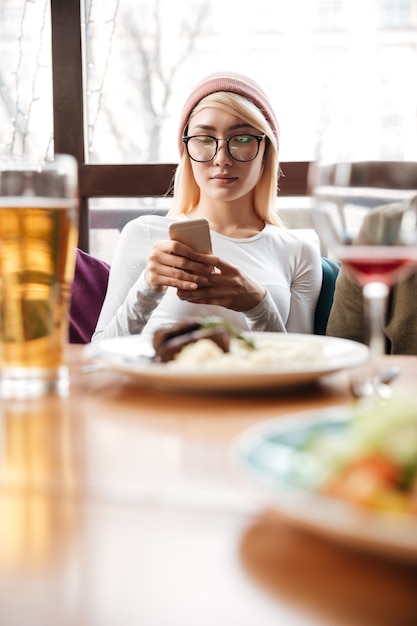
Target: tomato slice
365, 480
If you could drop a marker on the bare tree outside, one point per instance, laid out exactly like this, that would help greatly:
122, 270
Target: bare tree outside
148, 49
157, 78
25, 79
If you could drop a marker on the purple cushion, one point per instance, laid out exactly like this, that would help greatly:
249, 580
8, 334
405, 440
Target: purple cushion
87, 296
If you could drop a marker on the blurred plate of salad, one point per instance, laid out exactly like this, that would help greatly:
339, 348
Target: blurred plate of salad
350, 473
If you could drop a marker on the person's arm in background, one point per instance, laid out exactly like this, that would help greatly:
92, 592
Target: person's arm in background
346, 317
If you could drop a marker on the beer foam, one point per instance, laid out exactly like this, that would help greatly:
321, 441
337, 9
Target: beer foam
35, 202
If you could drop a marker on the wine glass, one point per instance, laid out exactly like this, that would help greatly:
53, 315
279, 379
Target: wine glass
363, 182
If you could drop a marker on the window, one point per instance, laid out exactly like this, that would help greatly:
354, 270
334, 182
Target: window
121, 70
330, 14
142, 57
25, 78
396, 13
393, 134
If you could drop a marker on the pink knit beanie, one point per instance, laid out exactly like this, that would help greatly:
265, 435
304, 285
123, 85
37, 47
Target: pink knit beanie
227, 81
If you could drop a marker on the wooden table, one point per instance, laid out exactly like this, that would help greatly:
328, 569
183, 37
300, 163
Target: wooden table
118, 508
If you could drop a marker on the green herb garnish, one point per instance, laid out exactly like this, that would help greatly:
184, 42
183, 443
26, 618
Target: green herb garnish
216, 322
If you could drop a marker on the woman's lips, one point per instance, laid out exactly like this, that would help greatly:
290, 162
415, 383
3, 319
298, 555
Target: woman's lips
224, 180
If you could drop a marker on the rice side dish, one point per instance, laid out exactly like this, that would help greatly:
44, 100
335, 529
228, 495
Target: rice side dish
206, 355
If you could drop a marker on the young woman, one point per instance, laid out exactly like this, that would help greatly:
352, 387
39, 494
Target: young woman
260, 277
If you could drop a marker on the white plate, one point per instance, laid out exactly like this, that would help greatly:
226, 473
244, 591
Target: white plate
270, 455
133, 355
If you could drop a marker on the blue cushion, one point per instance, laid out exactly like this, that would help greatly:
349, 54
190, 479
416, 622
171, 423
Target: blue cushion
324, 304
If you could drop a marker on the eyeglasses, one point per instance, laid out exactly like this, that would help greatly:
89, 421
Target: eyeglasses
203, 148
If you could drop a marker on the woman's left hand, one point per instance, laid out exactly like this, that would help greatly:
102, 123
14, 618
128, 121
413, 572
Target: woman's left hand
229, 287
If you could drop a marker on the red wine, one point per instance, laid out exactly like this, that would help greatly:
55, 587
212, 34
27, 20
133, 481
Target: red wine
382, 264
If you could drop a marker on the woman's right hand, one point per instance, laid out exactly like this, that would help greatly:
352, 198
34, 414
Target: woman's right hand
173, 264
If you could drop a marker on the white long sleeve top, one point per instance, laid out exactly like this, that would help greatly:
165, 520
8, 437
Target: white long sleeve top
288, 266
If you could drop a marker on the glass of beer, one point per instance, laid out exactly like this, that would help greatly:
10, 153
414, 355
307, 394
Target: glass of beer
38, 236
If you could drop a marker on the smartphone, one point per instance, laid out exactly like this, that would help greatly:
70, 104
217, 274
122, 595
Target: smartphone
194, 233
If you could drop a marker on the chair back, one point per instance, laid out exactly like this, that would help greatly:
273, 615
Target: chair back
330, 269
87, 296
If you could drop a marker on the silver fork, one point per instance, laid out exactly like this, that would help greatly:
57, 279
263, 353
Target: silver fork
380, 384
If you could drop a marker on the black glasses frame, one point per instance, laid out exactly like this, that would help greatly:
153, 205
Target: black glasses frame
258, 138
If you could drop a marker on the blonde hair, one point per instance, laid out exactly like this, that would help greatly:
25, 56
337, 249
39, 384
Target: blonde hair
186, 193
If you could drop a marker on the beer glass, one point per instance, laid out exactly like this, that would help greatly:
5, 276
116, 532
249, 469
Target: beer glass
38, 236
